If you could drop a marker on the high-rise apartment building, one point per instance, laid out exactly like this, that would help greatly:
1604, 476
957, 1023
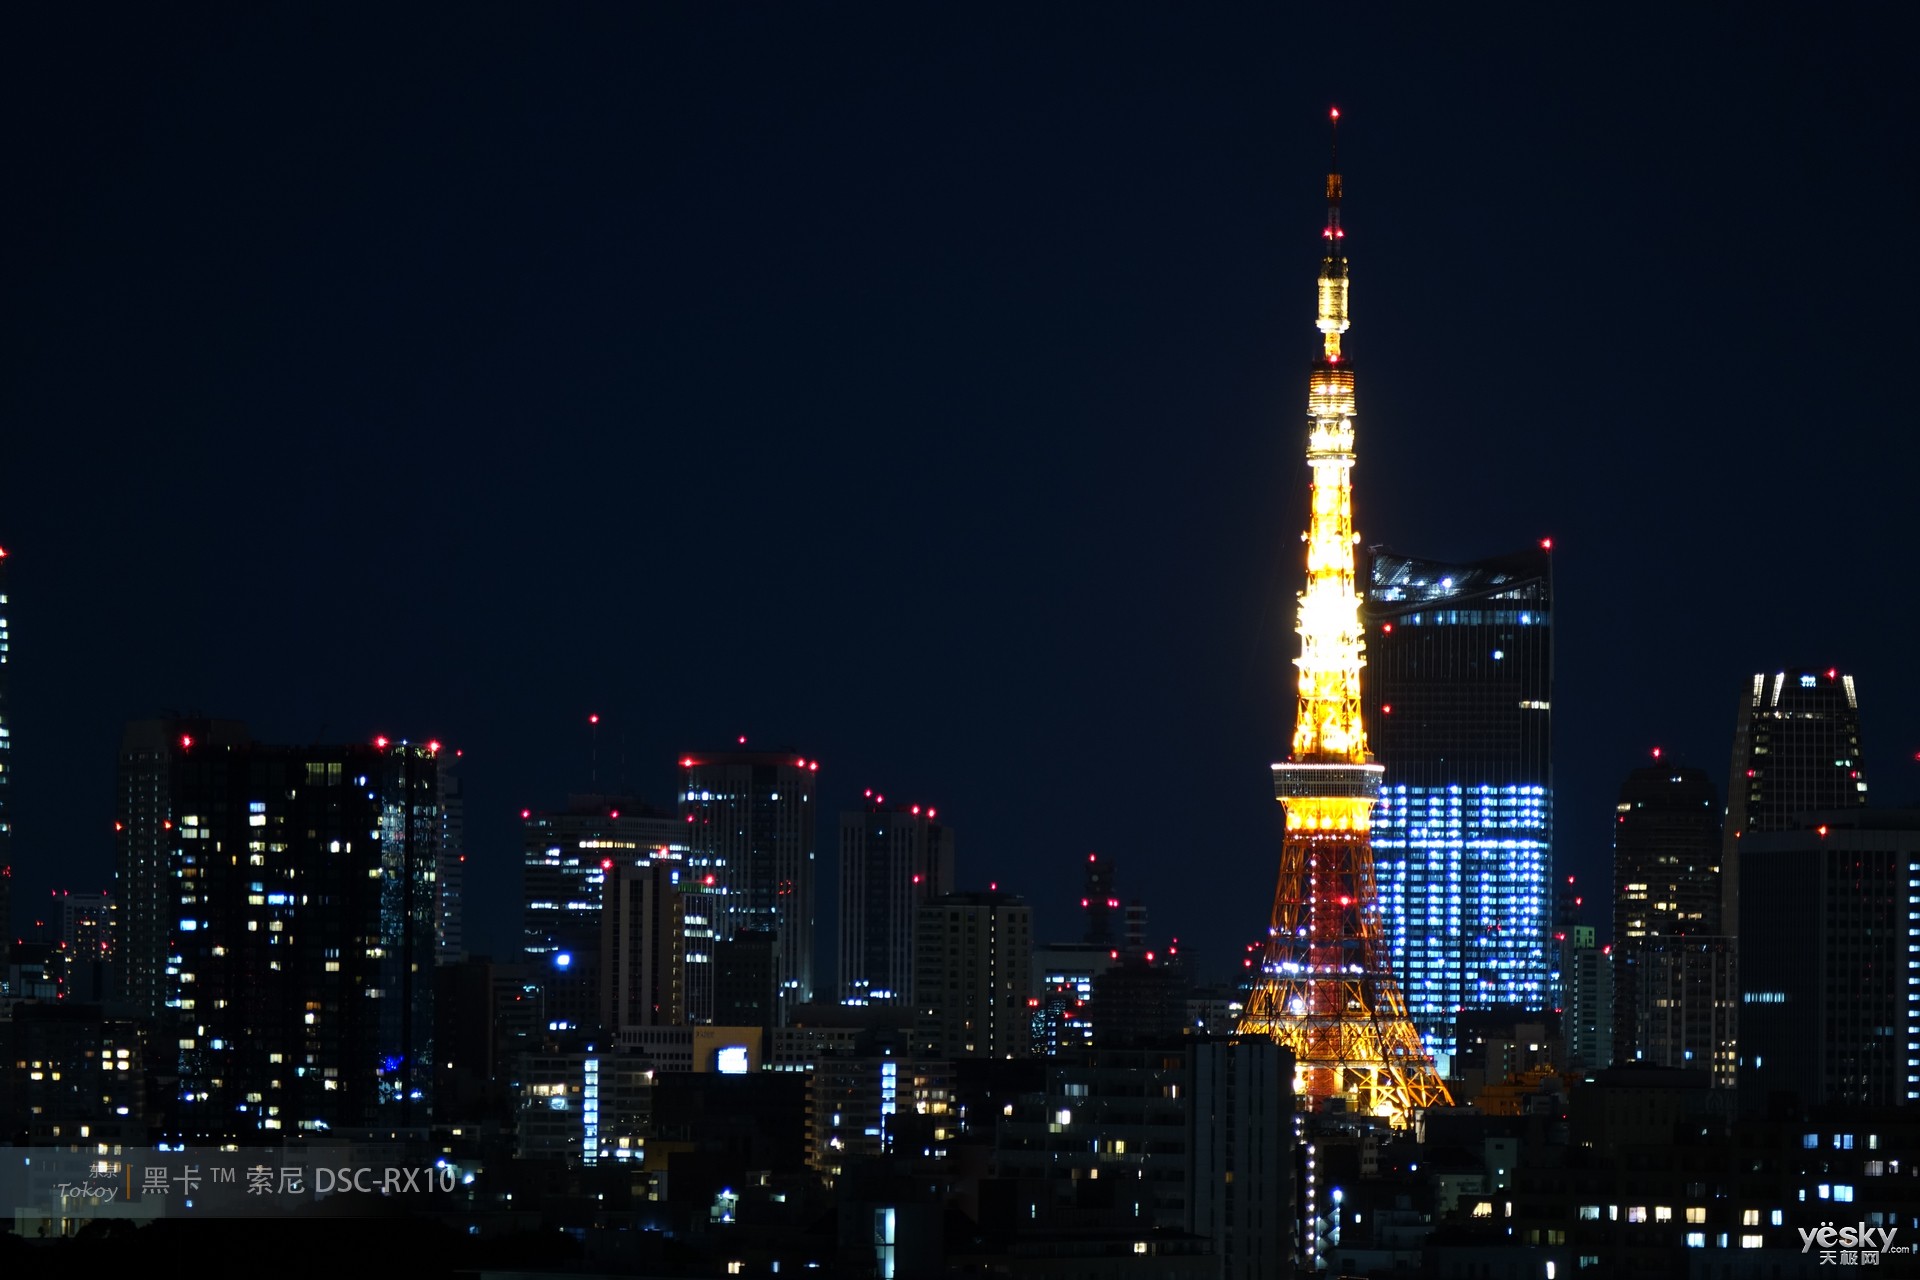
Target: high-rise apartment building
1242, 1153
642, 940
568, 858
973, 972
1459, 696
749, 818
1673, 980
1829, 970
893, 858
300, 903
1586, 1010
146, 841
1796, 750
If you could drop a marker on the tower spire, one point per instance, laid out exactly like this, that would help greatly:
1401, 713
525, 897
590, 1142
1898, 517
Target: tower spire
1328, 728
1333, 267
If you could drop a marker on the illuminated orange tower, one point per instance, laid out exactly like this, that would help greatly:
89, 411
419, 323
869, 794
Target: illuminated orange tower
1326, 989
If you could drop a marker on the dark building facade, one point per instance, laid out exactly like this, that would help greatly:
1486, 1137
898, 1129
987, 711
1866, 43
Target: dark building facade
1673, 976
893, 858
746, 980
749, 818
1458, 703
146, 844
568, 859
1829, 977
301, 914
1796, 750
642, 946
973, 977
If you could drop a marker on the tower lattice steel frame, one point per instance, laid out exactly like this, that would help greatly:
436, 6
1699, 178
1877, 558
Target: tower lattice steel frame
1326, 988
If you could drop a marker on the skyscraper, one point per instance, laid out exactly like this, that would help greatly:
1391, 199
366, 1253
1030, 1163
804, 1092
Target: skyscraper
568, 858
1673, 981
893, 858
750, 825
1586, 1012
300, 919
1829, 973
973, 971
1459, 702
642, 940
145, 845
1796, 750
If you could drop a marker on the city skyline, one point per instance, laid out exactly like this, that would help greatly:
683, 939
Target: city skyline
1015, 353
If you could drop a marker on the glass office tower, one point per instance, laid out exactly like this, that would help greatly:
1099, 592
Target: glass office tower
1459, 693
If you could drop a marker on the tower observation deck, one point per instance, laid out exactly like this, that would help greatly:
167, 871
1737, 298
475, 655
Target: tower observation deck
1326, 988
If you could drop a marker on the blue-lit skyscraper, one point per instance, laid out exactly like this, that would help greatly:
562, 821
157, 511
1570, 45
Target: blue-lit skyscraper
1459, 694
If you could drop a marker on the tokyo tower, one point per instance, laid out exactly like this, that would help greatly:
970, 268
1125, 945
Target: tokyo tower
1326, 989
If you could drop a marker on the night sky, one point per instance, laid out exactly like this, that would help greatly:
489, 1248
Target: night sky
923, 388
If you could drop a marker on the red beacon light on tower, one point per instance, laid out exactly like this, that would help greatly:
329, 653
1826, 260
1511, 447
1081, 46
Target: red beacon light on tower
381, 742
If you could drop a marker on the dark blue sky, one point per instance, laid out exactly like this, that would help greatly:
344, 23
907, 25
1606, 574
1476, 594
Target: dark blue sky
923, 388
